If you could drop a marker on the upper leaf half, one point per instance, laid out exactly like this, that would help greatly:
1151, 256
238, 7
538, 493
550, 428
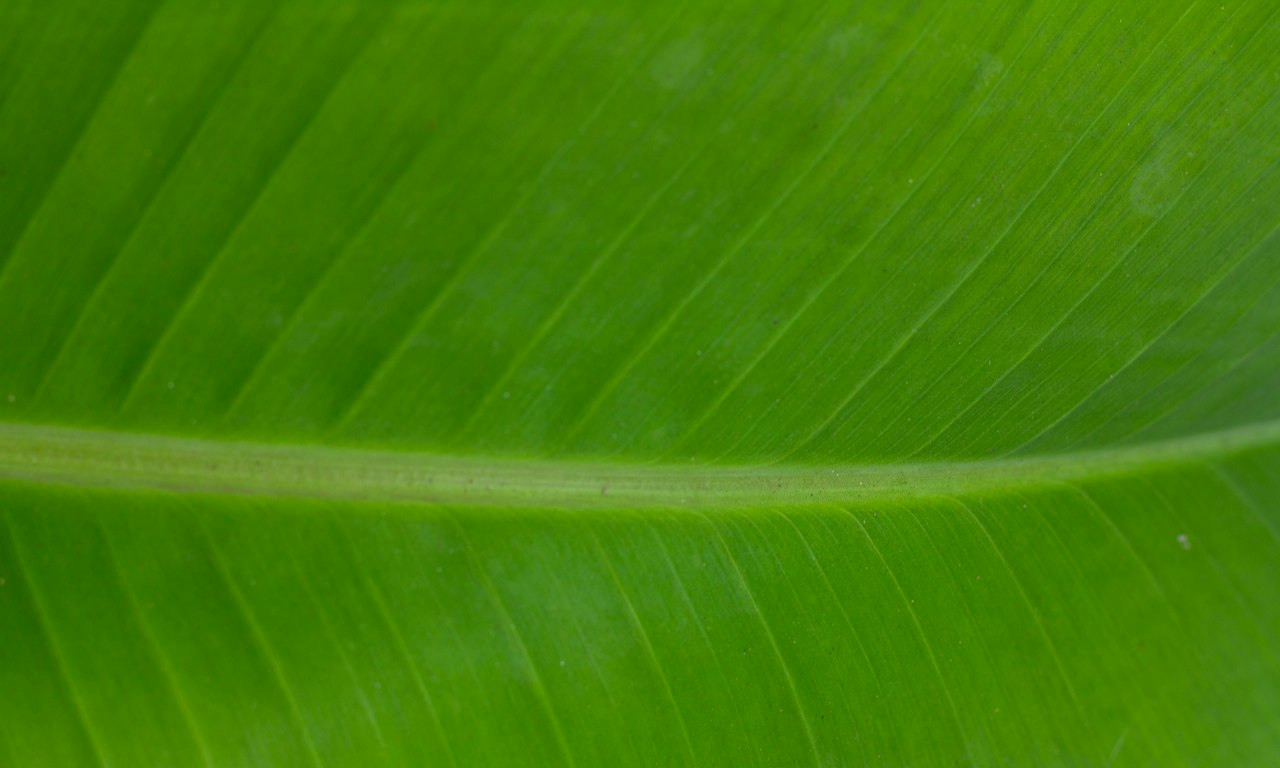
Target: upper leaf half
825, 232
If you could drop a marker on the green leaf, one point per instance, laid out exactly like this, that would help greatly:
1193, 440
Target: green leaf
648, 383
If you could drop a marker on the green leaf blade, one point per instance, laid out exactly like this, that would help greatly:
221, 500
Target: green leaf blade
409, 383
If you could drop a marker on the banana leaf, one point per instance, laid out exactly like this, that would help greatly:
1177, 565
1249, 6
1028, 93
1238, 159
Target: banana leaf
567, 382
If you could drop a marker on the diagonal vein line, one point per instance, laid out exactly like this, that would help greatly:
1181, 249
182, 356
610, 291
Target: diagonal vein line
773, 641
977, 263
509, 624
1261, 641
1004, 313
320, 280
51, 643
1103, 277
1082, 493
687, 600
101, 100
638, 625
1031, 350
660, 330
155, 650
830, 280
1207, 385
565, 594
436, 609
737, 319
1167, 606
831, 590
1246, 255
380, 372
247, 212
1262, 636
33, 29
571, 295
1035, 614
104, 278
584, 279
924, 639
261, 643
895, 275
1246, 499
857, 735
1169, 326
374, 592
949, 570
801, 613
332, 636
390, 189
1119, 745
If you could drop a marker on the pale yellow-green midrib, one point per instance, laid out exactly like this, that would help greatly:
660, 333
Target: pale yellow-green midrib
87, 458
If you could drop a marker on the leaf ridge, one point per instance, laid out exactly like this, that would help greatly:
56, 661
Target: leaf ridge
189, 140
665, 324
100, 99
773, 641
1115, 264
977, 263
1031, 609
262, 644
915, 620
347, 63
384, 365
634, 619
388, 620
55, 651
156, 650
540, 688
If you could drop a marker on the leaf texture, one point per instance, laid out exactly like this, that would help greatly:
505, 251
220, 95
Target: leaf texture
404, 382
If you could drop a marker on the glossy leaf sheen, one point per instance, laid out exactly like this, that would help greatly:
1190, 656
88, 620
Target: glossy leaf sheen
640, 383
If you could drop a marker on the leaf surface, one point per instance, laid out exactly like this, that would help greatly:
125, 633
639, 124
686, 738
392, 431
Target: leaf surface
770, 383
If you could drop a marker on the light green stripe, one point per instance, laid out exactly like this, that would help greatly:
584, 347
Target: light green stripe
54, 455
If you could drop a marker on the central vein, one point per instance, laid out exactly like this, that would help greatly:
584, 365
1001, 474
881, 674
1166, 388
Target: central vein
110, 459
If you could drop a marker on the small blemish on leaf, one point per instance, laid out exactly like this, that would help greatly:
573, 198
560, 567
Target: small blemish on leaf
677, 62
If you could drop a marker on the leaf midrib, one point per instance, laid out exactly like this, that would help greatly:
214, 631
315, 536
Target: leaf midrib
87, 458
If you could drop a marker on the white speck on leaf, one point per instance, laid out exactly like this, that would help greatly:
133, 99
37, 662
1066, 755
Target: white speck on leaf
1184, 541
